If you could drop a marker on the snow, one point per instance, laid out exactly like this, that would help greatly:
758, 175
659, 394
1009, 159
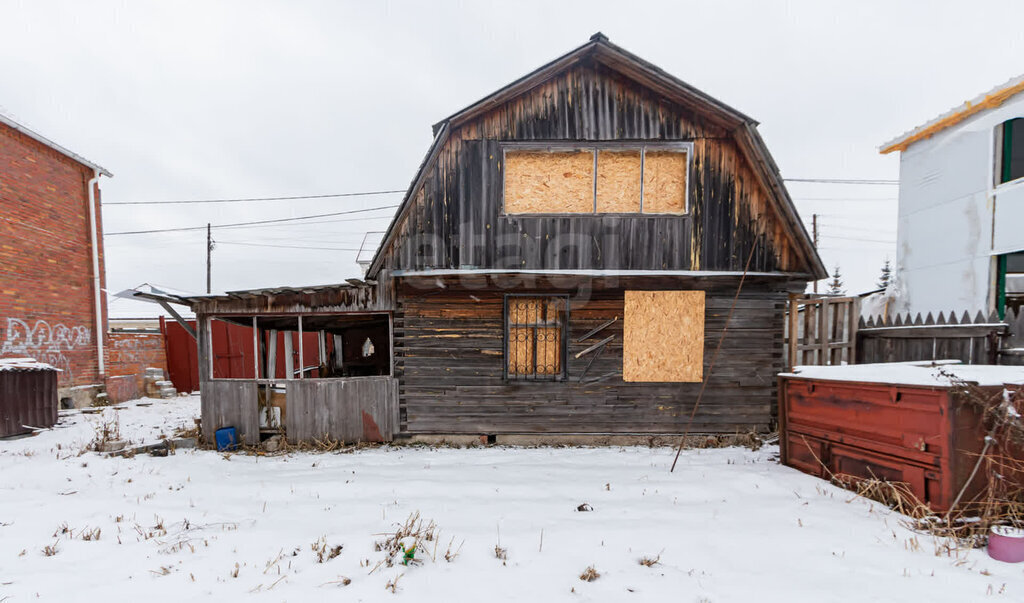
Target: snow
730, 525
25, 364
930, 374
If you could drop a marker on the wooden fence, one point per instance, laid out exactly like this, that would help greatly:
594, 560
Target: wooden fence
829, 331
822, 330
978, 340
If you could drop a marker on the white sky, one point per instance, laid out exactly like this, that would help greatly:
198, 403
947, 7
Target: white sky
201, 100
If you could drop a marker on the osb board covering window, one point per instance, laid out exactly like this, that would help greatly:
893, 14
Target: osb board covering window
663, 336
545, 182
664, 182
535, 337
618, 181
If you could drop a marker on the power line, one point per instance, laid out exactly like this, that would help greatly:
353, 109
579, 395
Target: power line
889, 199
286, 246
251, 199
841, 181
236, 224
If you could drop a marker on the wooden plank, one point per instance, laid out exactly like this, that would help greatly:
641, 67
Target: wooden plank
354, 409
230, 403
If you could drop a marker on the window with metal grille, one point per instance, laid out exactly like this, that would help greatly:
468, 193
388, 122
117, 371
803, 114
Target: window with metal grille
535, 337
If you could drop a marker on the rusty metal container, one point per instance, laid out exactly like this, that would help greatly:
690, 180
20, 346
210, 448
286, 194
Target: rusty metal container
28, 395
882, 421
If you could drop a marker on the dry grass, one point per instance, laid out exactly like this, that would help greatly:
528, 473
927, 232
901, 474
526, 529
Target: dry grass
449, 554
106, 432
392, 584
590, 574
650, 561
407, 540
500, 553
190, 432
324, 552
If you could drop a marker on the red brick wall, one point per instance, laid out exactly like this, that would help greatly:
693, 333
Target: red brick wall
128, 357
46, 287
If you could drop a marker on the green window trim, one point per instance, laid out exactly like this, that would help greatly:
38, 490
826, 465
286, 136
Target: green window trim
1007, 155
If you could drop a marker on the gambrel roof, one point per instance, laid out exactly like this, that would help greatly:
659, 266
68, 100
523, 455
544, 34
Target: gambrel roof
601, 51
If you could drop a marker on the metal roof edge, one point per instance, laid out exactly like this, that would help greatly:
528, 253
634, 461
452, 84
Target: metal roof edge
56, 147
984, 101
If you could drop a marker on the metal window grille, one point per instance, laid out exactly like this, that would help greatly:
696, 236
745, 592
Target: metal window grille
535, 337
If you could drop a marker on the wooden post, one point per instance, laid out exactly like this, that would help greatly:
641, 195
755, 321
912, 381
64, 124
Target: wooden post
794, 330
814, 230
209, 251
823, 355
854, 325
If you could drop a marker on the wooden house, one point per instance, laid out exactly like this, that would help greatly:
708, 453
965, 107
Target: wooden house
565, 261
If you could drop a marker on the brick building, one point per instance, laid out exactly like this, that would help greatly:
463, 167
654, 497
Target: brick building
52, 306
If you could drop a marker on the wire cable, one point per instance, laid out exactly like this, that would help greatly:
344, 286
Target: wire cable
251, 199
841, 181
236, 224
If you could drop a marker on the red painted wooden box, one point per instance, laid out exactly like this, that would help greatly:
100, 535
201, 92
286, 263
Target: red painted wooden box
885, 421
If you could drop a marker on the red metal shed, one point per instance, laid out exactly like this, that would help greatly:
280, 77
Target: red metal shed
28, 395
902, 422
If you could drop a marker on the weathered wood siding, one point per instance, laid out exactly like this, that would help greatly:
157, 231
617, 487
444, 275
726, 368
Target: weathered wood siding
457, 219
375, 297
449, 348
362, 409
230, 403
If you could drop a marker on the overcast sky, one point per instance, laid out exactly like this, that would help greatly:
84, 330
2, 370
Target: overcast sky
206, 100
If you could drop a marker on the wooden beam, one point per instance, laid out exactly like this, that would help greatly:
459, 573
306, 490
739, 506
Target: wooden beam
177, 317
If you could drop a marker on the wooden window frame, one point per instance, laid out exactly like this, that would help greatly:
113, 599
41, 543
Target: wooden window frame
563, 325
595, 148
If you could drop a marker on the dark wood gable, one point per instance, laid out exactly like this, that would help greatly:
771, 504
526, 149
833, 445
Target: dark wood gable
454, 218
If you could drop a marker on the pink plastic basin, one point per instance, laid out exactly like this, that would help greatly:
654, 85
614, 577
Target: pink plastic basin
1006, 544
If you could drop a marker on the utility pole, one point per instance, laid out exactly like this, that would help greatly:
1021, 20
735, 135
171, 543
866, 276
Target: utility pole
814, 230
209, 249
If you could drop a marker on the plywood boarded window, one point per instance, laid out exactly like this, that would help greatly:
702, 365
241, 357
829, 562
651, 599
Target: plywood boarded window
535, 336
618, 181
664, 182
603, 178
663, 336
545, 182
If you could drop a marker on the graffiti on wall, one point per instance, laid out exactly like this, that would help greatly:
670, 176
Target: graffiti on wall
44, 342
136, 351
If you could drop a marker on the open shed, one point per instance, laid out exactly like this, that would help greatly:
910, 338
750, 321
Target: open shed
307, 363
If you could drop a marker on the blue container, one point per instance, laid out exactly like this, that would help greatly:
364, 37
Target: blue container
226, 438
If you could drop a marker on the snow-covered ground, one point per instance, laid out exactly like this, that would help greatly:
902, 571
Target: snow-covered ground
729, 525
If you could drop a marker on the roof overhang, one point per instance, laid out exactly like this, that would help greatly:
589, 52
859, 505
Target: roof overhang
988, 100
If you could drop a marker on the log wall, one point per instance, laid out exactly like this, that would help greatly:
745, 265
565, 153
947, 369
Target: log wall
449, 354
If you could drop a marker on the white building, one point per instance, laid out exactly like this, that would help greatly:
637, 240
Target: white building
960, 243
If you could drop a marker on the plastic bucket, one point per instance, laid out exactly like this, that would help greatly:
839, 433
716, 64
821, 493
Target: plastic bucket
1006, 543
226, 438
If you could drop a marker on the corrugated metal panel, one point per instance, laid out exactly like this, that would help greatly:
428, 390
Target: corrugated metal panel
922, 436
28, 398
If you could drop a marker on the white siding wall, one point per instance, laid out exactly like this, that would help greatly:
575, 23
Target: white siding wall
952, 220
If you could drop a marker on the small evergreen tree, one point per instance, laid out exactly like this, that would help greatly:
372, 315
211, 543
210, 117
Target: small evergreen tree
835, 286
886, 277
